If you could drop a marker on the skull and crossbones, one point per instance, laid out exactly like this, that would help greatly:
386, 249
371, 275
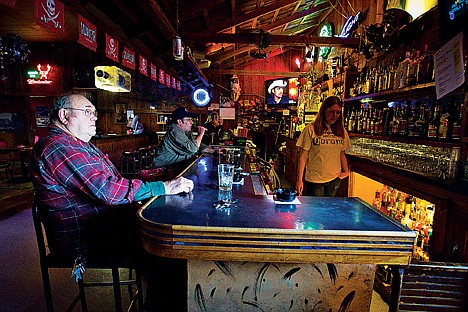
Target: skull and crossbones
112, 48
50, 11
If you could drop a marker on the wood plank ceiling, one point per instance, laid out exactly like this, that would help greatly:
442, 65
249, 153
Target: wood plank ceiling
223, 32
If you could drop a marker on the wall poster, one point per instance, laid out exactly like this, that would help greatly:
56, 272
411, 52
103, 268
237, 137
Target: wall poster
120, 110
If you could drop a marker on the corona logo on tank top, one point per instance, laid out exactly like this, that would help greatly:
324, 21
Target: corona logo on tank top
327, 138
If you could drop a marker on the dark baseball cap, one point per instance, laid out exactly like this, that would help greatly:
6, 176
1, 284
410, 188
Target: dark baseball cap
180, 113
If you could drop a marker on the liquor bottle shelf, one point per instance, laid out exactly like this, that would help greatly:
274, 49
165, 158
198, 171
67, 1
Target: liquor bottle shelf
421, 90
414, 183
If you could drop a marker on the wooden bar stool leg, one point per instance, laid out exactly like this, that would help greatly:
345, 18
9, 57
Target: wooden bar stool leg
139, 290
117, 292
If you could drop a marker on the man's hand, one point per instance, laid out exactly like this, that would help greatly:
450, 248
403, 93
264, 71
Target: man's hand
201, 130
179, 201
179, 185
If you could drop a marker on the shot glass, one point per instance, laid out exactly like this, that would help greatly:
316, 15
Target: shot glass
225, 176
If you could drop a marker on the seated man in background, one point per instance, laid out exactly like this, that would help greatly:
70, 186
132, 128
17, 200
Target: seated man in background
178, 144
86, 201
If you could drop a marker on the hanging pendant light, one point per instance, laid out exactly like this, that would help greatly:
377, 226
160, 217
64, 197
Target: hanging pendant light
177, 48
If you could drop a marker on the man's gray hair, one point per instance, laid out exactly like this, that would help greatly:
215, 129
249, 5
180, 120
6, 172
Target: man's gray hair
65, 101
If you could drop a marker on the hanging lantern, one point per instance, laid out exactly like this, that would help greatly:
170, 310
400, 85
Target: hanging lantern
177, 49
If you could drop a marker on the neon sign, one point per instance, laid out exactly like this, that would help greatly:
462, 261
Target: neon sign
349, 25
325, 31
43, 75
201, 97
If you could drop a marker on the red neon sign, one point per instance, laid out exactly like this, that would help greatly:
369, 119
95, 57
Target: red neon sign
42, 75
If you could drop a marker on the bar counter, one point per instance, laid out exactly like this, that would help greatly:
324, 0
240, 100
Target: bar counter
266, 246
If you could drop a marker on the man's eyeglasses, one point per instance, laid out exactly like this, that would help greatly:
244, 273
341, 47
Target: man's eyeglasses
88, 112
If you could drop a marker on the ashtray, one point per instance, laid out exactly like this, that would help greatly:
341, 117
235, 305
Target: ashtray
285, 194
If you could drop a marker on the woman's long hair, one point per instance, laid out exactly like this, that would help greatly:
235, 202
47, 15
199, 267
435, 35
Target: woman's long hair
320, 120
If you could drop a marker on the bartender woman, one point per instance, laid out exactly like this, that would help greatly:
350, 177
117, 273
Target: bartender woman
322, 147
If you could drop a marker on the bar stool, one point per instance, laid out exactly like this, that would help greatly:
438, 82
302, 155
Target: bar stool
153, 152
129, 163
145, 157
49, 260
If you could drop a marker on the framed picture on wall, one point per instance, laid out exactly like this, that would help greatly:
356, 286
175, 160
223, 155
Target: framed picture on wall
42, 116
130, 116
120, 111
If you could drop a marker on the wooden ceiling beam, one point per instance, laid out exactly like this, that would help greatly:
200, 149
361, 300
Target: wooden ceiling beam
296, 16
195, 7
254, 38
241, 72
168, 30
227, 56
248, 16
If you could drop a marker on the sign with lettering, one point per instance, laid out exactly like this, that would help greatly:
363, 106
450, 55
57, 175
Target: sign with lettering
128, 58
153, 72
162, 76
174, 84
350, 24
51, 14
449, 66
112, 48
168, 80
87, 33
42, 75
143, 66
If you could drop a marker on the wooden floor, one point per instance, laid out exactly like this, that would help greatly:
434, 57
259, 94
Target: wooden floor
15, 196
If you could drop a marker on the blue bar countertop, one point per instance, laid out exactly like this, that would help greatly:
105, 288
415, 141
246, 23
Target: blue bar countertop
256, 228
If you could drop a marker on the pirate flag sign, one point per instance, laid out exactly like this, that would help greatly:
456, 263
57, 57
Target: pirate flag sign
51, 14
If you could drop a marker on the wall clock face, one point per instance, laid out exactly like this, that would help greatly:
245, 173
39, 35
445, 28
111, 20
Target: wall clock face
201, 97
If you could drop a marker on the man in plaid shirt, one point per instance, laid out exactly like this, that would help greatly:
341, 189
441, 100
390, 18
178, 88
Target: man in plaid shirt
87, 203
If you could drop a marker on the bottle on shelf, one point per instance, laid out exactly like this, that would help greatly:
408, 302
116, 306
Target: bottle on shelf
395, 123
426, 66
377, 202
433, 125
352, 121
413, 130
379, 123
402, 71
422, 123
415, 213
444, 121
346, 119
403, 125
388, 113
391, 74
359, 119
456, 127
412, 68
373, 121
364, 120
